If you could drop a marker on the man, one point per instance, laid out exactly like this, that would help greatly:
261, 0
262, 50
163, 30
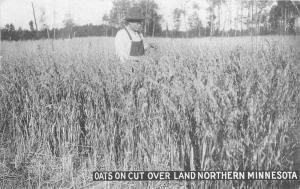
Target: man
129, 42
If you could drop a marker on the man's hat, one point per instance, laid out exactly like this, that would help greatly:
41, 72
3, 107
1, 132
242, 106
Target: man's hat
134, 14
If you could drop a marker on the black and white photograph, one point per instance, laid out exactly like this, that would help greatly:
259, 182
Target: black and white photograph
150, 94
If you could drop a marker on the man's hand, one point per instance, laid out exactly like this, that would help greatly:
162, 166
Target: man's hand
152, 45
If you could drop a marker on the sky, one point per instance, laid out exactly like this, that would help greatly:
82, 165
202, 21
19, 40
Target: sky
19, 12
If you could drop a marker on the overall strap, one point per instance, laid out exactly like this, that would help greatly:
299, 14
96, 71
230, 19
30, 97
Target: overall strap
140, 36
128, 34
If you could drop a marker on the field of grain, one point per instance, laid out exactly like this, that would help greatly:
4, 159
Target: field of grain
69, 107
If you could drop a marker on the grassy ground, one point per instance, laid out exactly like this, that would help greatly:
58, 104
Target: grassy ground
69, 107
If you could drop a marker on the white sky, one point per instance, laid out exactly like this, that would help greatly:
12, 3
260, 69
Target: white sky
19, 12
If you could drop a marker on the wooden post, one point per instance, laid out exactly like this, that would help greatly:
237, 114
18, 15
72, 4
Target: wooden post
285, 21
241, 18
252, 17
106, 28
219, 19
34, 17
230, 21
153, 27
54, 18
167, 29
256, 17
48, 34
146, 19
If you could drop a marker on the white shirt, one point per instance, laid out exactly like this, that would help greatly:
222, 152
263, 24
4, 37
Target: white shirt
123, 43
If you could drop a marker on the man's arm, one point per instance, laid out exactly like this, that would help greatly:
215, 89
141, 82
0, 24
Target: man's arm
120, 45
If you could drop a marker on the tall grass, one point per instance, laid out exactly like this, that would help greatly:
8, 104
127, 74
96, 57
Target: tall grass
71, 107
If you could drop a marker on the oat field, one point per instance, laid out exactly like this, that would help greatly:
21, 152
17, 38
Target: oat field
69, 107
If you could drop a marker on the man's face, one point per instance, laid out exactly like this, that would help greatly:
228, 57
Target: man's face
135, 26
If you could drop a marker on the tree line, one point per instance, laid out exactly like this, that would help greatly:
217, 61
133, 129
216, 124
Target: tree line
10, 33
252, 18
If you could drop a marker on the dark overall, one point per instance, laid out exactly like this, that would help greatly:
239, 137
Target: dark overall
137, 47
